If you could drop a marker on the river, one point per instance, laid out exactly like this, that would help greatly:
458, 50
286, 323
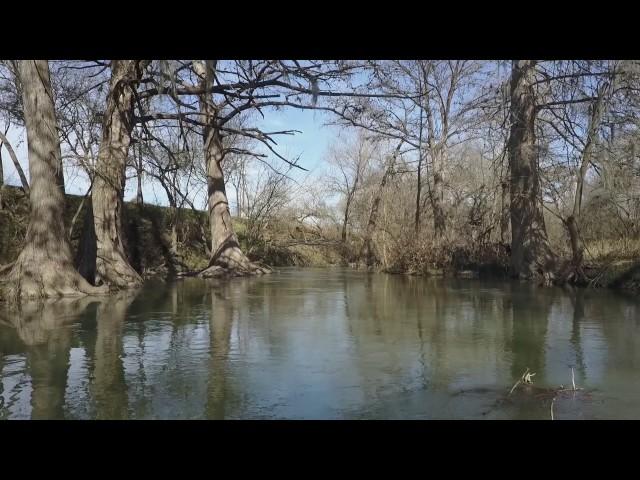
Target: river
324, 344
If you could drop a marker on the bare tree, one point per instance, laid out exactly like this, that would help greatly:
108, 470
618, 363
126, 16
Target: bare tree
44, 267
349, 163
226, 255
112, 265
531, 255
367, 251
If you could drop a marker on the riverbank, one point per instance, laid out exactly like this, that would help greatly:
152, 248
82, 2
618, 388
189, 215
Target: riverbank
162, 242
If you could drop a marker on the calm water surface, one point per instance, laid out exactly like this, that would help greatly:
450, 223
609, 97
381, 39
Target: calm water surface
323, 344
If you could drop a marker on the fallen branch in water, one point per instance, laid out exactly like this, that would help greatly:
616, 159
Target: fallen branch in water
543, 393
562, 389
525, 378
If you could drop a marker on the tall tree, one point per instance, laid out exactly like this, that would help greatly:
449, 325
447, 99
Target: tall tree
44, 267
531, 255
367, 251
112, 266
430, 105
226, 255
349, 162
229, 91
573, 221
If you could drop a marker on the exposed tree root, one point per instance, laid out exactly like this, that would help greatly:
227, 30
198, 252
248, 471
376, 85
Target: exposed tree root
33, 277
116, 271
233, 263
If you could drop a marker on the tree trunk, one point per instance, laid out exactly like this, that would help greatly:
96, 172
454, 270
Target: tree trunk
577, 248
139, 197
1, 178
504, 213
85, 260
112, 266
343, 233
238, 204
226, 256
416, 223
139, 170
367, 247
44, 267
225, 249
573, 222
4, 141
79, 210
531, 256
174, 230
437, 193
347, 208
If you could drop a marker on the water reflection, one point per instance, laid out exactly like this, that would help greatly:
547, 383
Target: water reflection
43, 327
320, 344
224, 304
109, 390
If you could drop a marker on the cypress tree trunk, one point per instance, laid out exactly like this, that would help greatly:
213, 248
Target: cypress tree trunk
226, 256
44, 267
531, 255
112, 266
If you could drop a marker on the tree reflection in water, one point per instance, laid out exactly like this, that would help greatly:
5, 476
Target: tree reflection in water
44, 328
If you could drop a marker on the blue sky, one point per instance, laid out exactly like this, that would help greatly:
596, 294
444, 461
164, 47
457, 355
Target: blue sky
311, 144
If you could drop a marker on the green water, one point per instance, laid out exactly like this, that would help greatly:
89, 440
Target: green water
323, 344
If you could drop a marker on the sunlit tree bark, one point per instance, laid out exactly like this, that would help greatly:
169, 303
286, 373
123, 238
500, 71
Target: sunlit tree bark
226, 255
44, 267
112, 266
